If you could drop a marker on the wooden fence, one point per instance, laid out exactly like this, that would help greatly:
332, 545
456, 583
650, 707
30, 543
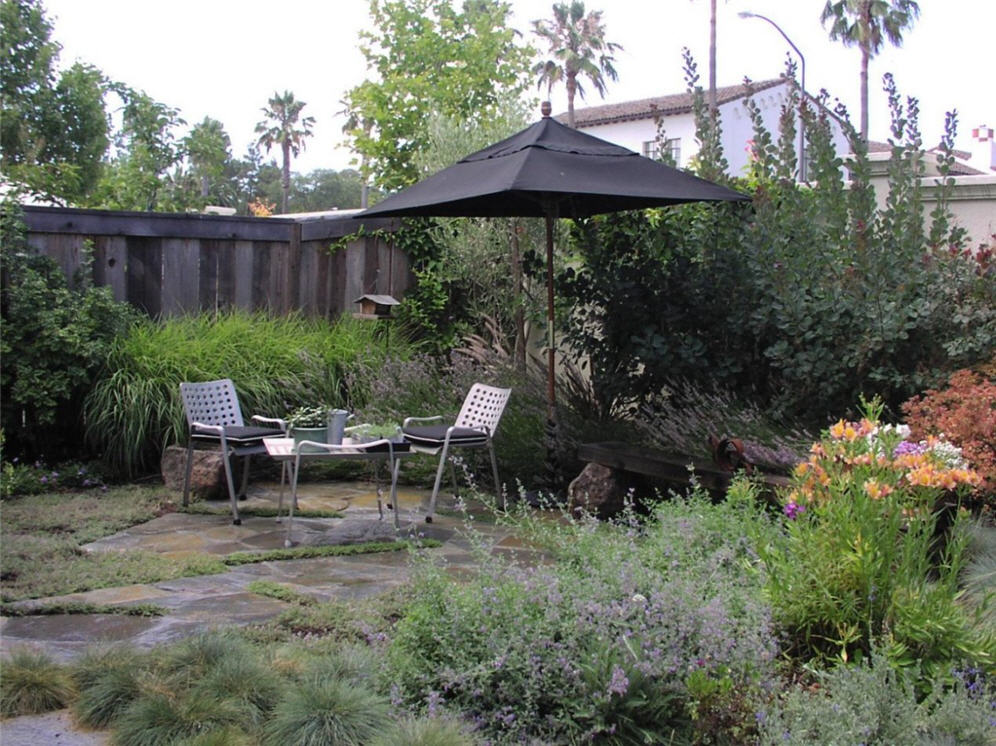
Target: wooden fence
172, 264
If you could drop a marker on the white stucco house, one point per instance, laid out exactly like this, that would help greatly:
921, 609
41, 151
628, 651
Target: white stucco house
634, 124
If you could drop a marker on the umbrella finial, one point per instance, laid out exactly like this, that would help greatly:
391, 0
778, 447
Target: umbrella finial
545, 109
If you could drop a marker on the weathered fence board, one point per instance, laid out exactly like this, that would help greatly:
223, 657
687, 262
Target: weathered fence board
168, 264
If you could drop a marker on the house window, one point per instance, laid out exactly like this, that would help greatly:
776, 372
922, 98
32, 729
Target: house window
672, 150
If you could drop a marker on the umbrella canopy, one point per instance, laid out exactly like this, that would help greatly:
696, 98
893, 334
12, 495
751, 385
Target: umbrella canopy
549, 170
550, 165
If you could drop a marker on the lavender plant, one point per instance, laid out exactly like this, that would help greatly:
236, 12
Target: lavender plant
635, 633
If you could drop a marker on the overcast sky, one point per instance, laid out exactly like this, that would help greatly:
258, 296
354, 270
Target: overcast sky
225, 58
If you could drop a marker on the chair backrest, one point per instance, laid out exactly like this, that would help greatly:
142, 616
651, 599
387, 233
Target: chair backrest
212, 403
483, 407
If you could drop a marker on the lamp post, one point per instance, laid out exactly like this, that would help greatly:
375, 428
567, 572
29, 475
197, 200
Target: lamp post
802, 98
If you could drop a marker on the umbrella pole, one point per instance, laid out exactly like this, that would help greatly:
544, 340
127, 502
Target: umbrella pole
552, 462
551, 395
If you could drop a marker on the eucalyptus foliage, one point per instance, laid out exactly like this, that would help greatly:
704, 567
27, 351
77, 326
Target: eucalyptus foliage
802, 300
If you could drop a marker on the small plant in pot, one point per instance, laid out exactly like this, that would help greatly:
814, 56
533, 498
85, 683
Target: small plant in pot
309, 423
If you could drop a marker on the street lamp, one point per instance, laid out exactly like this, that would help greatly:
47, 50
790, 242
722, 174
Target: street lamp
802, 98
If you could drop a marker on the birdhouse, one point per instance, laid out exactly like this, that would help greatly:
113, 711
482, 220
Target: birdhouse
375, 306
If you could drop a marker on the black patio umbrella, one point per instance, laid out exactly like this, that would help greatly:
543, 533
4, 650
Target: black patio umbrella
549, 170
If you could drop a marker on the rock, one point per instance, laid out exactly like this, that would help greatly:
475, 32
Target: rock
600, 490
207, 477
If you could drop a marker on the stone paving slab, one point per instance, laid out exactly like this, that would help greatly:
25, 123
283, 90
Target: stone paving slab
194, 604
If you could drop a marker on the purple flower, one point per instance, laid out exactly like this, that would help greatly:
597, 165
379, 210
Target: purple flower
619, 684
793, 509
907, 447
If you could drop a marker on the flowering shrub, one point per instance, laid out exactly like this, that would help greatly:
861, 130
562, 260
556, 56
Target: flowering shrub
862, 559
638, 633
965, 412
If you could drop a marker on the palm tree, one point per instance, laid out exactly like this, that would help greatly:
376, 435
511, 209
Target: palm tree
867, 24
279, 127
577, 47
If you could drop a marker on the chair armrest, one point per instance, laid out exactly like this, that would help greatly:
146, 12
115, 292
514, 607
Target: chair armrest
210, 428
409, 420
273, 420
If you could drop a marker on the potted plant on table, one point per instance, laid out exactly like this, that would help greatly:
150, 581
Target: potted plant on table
309, 423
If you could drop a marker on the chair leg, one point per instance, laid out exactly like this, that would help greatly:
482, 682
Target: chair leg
227, 458
456, 489
435, 487
244, 489
186, 473
499, 492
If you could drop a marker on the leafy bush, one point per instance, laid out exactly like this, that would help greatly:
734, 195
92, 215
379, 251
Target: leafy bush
622, 639
55, 338
875, 704
824, 297
865, 558
134, 410
964, 412
31, 683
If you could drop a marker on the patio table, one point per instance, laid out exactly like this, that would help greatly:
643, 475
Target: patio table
291, 454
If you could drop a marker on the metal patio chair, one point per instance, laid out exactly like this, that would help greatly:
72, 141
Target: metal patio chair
214, 416
474, 427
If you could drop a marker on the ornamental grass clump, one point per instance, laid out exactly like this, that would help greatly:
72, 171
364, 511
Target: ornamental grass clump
635, 633
873, 547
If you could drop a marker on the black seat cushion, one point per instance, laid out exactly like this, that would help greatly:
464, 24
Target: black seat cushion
434, 435
241, 435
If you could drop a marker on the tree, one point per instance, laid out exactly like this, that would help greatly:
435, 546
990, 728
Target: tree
280, 127
577, 48
138, 178
867, 24
427, 59
53, 129
326, 189
209, 151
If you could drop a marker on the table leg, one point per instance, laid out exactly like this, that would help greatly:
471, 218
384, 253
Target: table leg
295, 470
284, 465
395, 467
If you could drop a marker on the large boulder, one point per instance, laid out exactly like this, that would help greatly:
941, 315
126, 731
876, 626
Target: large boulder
600, 490
207, 476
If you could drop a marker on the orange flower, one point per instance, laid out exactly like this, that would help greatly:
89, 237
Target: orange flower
837, 429
876, 491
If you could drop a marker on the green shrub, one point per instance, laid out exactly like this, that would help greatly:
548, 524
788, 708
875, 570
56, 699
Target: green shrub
134, 410
825, 297
874, 704
31, 683
55, 338
324, 709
